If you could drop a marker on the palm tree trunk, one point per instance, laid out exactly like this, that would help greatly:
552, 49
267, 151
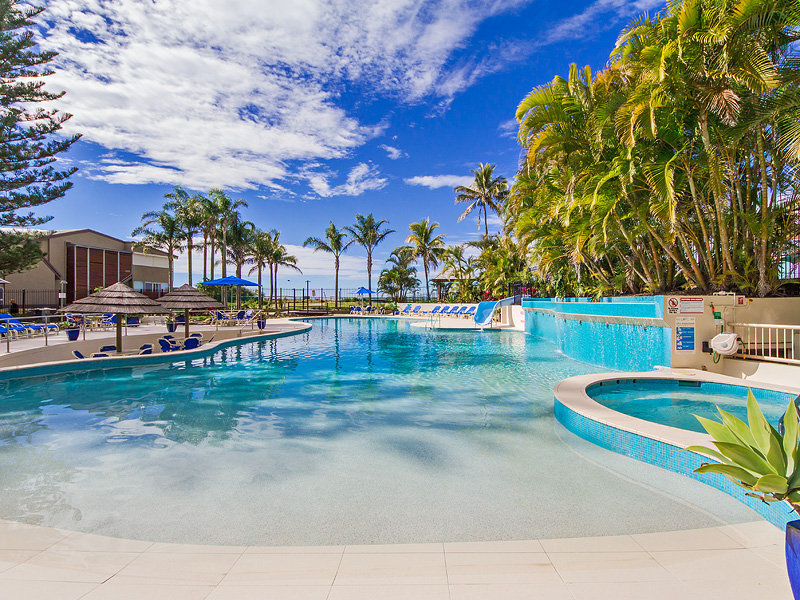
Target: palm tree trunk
260, 291
205, 255
224, 252
485, 221
213, 249
189, 249
369, 272
427, 286
269, 303
171, 266
336, 282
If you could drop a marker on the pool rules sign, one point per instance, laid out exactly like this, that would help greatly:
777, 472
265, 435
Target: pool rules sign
684, 335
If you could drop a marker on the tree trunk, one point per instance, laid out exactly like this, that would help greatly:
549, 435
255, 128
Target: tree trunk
205, 255
171, 266
761, 256
369, 273
713, 164
485, 221
260, 291
427, 288
336, 282
224, 253
213, 250
189, 248
269, 302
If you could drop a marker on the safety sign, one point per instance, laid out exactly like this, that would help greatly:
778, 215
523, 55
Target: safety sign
684, 334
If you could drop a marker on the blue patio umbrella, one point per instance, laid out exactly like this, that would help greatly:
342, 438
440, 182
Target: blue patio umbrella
231, 281
363, 290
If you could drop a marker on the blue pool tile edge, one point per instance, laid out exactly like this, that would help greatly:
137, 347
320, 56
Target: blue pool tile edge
666, 456
121, 362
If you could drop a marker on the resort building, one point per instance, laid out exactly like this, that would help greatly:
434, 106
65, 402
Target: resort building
78, 261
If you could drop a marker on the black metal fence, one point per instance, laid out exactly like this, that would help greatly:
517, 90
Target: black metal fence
29, 299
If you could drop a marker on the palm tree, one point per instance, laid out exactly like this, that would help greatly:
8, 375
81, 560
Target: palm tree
399, 279
188, 211
209, 216
333, 244
426, 246
239, 243
261, 250
485, 193
224, 208
367, 232
280, 258
161, 230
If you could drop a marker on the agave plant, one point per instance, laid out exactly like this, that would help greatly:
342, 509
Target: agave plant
754, 455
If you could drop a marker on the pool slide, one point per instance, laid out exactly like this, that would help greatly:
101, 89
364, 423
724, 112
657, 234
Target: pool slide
485, 311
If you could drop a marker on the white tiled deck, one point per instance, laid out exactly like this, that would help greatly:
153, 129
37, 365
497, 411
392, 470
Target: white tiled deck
728, 562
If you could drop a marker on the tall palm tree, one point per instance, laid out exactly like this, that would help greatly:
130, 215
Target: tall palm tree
399, 279
188, 211
239, 244
161, 230
485, 193
280, 258
427, 246
333, 244
261, 251
224, 208
209, 217
367, 232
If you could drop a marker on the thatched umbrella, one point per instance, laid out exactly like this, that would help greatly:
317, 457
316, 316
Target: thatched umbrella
117, 299
188, 298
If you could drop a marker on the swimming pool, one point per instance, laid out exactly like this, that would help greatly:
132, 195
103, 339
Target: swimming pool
675, 402
358, 431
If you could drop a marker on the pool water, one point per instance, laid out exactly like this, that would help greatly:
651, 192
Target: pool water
359, 431
675, 403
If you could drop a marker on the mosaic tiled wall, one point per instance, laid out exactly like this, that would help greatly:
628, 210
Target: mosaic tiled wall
665, 456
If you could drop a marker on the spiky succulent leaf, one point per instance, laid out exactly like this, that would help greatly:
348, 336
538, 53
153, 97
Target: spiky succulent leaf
738, 474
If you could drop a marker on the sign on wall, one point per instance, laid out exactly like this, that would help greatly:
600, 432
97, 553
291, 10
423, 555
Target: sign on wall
672, 305
684, 334
692, 306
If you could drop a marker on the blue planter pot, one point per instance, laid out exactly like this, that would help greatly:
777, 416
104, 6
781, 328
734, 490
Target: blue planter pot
72, 334
261, 324
171, 327
793, 556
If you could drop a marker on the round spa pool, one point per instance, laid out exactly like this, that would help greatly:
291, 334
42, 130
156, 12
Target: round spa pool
675, 402
357, 431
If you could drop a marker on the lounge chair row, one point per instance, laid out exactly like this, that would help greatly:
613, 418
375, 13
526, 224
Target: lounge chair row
10, 325
450, 311
168, 343
242, 317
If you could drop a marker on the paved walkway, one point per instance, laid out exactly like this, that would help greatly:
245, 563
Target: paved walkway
729, 562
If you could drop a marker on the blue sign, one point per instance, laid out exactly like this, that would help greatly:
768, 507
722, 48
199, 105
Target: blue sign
684, 335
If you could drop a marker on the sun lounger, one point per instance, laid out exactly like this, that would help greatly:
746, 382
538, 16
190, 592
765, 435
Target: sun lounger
406, 310
416, 310
436, 310
470, 312
146, 351
167, 345
77, 354
108, 349
14, 324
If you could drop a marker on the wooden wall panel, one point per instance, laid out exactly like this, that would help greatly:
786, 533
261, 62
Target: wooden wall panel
95, 268
125, 266
69, 276
81, 272
112, 264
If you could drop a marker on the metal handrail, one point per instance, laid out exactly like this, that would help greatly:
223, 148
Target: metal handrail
769, 342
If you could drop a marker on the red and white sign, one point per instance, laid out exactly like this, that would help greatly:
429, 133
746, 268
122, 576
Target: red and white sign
692, 306
672, 305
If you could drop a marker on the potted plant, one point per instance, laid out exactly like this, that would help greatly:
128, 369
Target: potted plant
762, 460
171, 325
72, 330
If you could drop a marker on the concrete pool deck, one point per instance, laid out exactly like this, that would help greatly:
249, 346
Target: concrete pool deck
729, 562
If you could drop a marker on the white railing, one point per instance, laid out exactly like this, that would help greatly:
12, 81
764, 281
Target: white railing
775, 343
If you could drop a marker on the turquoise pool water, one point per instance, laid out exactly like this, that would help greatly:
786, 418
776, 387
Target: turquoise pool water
358, 431
675, 403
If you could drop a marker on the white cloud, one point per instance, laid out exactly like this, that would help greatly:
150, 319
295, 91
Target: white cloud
360, 179
205, 93
601, 14
440, 181
392, 152
509, 128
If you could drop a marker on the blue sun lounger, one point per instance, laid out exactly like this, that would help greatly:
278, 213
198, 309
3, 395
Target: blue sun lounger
469, 312
416, 310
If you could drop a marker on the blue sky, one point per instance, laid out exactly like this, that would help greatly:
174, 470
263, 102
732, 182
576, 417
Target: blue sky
310, 110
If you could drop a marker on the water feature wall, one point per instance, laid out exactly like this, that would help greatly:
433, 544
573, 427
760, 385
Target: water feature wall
626, 334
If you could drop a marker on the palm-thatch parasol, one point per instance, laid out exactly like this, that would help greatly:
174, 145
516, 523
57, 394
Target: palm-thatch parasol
188, 298
119, 300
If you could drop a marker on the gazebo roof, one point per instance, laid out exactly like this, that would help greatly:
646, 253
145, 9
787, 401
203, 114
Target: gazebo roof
116, 299
187, 297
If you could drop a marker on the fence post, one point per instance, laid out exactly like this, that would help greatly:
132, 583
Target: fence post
46, 318
23, 302
294, 299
